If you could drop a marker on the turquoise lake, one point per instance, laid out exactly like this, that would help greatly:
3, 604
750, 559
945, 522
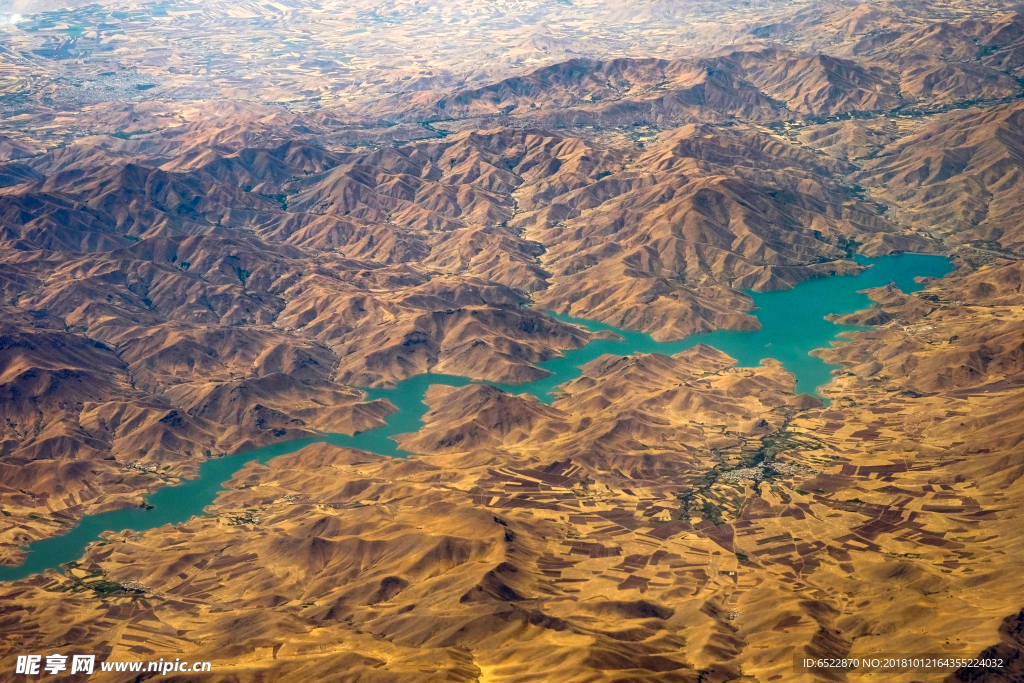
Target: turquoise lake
793, 324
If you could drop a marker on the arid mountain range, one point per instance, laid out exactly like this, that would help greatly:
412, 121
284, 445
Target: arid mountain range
205, 250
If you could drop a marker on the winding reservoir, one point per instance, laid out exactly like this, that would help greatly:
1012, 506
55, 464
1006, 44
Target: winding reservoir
793, 324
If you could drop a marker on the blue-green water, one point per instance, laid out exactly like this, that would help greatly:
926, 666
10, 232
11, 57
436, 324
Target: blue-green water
793, 324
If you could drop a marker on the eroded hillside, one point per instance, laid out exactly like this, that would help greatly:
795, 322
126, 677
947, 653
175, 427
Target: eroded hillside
186, 277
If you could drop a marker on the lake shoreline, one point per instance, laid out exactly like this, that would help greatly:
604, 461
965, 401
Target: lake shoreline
793, 324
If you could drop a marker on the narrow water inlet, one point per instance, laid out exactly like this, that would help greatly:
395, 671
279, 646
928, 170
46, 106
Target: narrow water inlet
793, 324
